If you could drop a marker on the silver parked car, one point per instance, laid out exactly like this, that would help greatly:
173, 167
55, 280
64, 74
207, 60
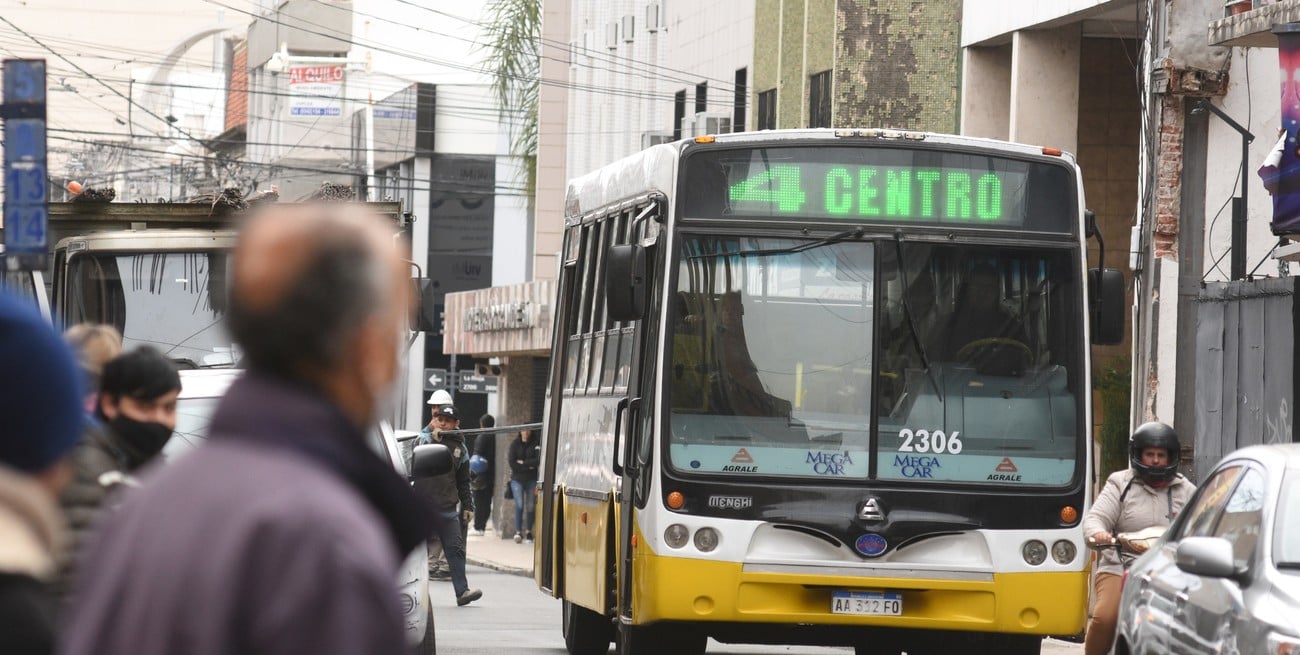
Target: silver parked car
202, 389
1225, 578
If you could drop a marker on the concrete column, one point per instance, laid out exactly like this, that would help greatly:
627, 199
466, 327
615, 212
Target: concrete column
986, 92
552, 136
1045, 87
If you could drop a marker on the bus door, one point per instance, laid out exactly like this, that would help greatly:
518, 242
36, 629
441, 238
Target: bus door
545, 564
635, 440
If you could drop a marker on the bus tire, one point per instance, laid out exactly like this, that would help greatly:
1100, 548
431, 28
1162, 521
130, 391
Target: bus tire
660, 639
586, 632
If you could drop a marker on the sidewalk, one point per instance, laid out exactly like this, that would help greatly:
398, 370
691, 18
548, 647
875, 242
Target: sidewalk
493, 552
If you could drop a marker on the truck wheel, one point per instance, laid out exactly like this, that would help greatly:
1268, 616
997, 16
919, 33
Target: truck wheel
586, 632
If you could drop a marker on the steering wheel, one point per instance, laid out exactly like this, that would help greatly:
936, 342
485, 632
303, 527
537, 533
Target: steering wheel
994, 342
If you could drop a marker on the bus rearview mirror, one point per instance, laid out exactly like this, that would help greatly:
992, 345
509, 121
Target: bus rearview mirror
625, 282
1106, 288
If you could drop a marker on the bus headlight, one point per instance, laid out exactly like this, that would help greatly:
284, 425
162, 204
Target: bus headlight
676, 535
706, 539
1034, 552
1063, 551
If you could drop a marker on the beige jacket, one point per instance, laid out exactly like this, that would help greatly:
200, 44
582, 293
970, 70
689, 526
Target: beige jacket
1143, 507
31, 526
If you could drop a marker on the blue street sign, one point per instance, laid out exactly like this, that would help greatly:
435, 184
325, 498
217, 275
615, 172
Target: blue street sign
26, 201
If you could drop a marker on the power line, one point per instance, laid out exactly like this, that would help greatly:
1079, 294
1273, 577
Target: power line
338, 36
694, 77
646, 67
456, 184
84, 71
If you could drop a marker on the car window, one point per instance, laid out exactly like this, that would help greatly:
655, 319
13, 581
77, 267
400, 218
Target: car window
1286, 528
1242, 516
1208, 503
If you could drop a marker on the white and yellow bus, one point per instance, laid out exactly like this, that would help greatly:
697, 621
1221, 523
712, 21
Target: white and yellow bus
823, 387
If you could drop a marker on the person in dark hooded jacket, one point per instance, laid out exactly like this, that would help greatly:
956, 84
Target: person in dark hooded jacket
134, 418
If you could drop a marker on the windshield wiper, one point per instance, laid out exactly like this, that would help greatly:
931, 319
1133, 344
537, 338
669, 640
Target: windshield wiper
1288, 565
855, 233
911, 321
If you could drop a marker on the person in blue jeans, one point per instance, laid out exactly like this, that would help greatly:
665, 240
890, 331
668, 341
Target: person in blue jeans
445, 492
525, 459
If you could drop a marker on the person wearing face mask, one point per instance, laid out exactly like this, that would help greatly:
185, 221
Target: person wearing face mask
283, 532
136, 414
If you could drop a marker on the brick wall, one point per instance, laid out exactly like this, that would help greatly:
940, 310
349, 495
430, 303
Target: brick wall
897, 64
237, 90
1169, 171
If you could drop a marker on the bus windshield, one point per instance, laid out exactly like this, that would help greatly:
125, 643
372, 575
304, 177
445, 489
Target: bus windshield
776, 371
173, 301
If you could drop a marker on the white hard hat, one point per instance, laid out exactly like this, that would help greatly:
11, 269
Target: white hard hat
440, 397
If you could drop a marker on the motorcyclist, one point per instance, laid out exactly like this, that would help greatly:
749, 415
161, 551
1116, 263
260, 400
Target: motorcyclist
1150, 493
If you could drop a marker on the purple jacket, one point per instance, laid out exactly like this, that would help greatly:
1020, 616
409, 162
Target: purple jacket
282, 534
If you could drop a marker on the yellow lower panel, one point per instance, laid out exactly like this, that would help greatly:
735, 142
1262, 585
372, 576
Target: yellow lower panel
670, 588
585, 528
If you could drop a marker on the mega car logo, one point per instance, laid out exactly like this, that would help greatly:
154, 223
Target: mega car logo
871, 544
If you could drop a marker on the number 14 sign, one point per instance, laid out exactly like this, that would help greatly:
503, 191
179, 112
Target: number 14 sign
26, 201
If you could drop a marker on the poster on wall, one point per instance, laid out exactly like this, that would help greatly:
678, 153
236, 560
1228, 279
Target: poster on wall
1281, 171
316, 90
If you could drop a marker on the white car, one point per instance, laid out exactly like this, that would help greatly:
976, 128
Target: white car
201, 389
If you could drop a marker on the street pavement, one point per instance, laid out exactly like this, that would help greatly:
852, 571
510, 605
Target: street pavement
514, 616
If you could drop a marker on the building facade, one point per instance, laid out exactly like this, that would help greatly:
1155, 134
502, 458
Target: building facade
857, 63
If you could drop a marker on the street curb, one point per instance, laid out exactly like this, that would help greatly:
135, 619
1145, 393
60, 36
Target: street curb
495, 566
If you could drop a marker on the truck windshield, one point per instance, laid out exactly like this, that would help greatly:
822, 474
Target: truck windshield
967, 355
173, 301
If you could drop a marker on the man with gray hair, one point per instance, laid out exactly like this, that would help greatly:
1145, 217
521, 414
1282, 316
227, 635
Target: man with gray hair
283, 532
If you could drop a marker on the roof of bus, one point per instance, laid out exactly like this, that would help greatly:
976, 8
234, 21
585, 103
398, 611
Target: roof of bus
652, 170
153, 240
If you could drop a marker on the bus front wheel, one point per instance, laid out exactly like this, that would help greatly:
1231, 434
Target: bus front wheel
586, 632
660, 638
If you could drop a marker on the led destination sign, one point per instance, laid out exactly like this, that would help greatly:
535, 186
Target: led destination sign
892, 185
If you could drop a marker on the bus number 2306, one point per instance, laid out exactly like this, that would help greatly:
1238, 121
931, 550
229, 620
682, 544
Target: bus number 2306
926, 441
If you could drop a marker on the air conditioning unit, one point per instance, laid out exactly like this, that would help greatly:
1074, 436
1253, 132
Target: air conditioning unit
629, 28
655, 138
707, 122
653, 18
611, 35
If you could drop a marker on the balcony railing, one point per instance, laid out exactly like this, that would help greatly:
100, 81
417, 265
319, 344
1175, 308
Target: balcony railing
1254, 27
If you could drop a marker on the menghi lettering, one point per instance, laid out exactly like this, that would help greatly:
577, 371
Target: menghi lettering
916, 466
829, 463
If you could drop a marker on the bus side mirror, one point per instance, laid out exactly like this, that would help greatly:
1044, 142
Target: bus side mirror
424, 313
1106, 291
430, 461
625, 282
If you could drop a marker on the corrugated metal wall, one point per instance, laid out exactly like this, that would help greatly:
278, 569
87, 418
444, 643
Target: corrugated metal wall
1245, 368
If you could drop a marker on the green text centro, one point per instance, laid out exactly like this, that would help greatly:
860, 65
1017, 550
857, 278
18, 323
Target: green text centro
900, 193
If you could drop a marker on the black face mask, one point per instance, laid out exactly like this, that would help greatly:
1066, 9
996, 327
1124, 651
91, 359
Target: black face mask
144, 438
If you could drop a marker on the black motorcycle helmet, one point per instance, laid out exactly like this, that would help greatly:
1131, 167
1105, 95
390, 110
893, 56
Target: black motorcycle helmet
1154, 435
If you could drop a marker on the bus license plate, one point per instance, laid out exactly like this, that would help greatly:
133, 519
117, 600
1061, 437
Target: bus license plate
871, 603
